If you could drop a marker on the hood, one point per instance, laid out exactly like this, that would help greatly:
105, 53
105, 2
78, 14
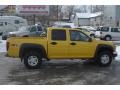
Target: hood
104, 42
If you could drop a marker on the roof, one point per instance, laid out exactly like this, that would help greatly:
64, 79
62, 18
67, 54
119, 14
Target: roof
88, 15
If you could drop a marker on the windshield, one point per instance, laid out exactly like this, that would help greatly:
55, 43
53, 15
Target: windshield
39, 28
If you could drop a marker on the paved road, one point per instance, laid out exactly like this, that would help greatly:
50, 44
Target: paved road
12, 71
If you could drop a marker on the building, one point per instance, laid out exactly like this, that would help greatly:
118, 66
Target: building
112, 15
96, 19
8, 10
88, 19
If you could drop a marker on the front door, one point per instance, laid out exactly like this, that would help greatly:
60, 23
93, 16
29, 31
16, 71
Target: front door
57, 44
80, 46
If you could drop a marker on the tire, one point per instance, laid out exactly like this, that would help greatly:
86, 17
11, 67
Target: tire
108, 38
32, 60
104, 58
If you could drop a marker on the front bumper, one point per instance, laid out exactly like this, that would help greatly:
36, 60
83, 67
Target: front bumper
114, 54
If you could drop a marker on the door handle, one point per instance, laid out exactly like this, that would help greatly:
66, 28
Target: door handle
73, 43
53, 43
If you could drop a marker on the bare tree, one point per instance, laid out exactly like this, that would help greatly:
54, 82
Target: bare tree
55, 11
97, 8
70, 10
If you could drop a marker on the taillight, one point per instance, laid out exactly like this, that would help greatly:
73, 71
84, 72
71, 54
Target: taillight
7, 45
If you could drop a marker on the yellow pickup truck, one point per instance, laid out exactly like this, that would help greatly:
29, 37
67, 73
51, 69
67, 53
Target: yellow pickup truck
60, 43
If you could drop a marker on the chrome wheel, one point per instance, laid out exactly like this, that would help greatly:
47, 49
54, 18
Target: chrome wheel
105, 59
108, 38
33, 60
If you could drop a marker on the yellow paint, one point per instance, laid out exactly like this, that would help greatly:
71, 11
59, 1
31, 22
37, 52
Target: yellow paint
63, 49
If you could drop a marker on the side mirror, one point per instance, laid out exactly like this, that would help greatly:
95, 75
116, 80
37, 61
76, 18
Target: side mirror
90, 40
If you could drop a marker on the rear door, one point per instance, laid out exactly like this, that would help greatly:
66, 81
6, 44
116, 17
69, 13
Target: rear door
57, 44
115, 33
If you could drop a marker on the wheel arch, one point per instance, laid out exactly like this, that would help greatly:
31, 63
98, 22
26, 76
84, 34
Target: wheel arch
103, 47
108, 35
26, 47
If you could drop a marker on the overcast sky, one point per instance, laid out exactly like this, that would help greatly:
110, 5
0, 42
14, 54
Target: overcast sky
2, 6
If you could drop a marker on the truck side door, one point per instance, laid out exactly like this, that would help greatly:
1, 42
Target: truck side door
57, 44
79, 45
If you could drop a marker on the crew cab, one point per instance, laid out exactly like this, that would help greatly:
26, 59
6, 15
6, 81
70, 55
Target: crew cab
60, 43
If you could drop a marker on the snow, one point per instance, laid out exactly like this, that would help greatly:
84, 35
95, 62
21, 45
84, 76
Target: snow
118, 52
88, 15
2, 46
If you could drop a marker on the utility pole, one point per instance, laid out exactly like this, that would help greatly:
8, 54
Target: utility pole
57, 13
34, 18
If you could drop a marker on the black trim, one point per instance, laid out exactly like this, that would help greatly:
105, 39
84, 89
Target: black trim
29, 46
114, 55
103, 46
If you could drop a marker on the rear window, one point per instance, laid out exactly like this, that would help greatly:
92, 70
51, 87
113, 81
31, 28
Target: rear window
115, 29
58, 35
39, 28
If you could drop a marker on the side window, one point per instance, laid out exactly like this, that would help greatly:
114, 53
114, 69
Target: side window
1, 23
115, 29
58, 35
17, 22
105, 29
33, 29
78, 36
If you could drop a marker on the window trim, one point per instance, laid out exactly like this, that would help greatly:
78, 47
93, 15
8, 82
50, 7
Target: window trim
102, 29
78, 40
58, 30
112, 30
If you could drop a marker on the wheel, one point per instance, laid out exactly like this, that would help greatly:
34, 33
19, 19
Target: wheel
92, 36
32, 60
104, 58
108, 38
25, 36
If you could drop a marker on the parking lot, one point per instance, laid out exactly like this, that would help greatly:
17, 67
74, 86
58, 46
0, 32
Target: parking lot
12, 71
72, 72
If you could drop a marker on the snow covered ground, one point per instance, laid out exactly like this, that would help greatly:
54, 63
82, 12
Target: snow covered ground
2, 46
118, 52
